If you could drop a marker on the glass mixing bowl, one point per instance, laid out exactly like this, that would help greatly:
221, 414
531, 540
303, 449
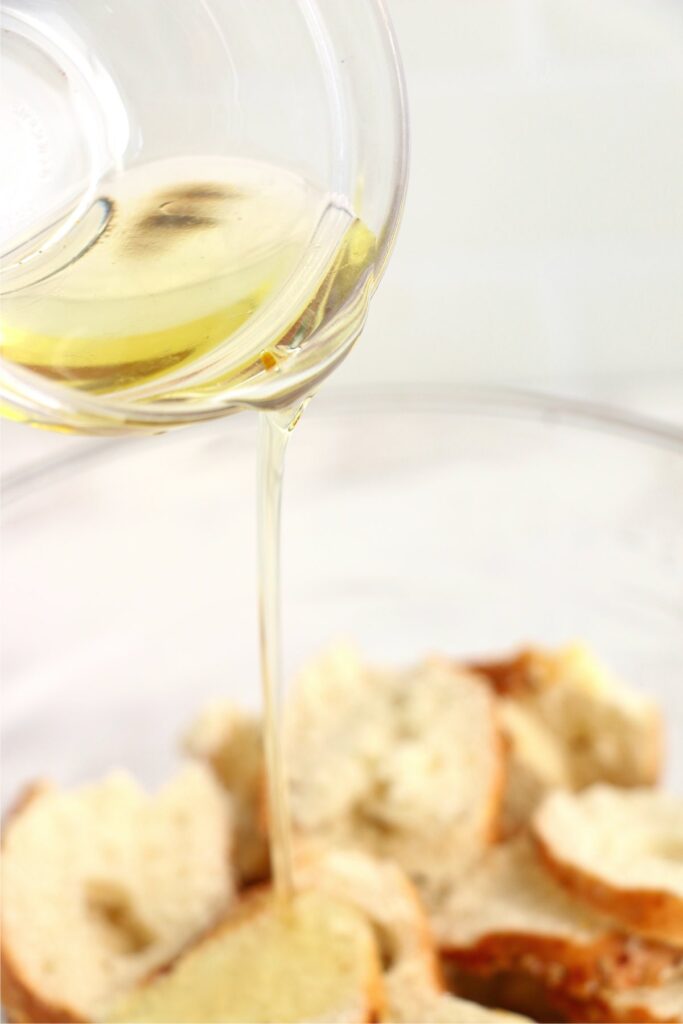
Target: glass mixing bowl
464, 523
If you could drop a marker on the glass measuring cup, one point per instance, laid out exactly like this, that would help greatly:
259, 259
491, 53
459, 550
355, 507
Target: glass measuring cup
93, 93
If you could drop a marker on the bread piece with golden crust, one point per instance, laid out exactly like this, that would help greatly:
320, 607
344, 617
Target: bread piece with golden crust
510, 914
102, 884
620, 852
610, 732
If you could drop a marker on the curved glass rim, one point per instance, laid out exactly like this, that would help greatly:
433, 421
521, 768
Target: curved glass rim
494, 402
73, 408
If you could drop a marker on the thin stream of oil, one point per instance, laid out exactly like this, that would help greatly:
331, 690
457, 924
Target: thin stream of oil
274, 430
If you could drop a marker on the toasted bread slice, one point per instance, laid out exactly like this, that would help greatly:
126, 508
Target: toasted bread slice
409, 1001
314, 959
607, 731
621, 852
231, 742
510, 914
403, 764
103, 884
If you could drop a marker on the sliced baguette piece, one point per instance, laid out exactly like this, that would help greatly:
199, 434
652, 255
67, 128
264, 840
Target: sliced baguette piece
510, 914
403, 764
409, 1001
314, 959
608, 732
231, 742
105, 883
621, 852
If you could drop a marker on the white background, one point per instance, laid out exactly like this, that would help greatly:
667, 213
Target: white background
543, 235
542, 244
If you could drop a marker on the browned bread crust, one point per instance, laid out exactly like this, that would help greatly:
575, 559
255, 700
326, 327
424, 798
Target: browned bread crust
646, 911
554, 684
652, 821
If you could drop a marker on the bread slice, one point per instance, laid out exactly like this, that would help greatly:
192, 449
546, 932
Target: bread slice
105, 883
408, 1001
607, 731
511, 915
403, 764
621, 852
231, 742
315, 959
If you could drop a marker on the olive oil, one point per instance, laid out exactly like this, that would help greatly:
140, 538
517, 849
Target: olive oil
185, 278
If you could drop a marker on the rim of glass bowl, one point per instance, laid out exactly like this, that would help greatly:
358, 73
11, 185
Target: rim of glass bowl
371, 400
61, 406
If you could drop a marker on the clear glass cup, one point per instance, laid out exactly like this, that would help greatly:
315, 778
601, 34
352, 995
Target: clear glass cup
466, 523
93, 91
